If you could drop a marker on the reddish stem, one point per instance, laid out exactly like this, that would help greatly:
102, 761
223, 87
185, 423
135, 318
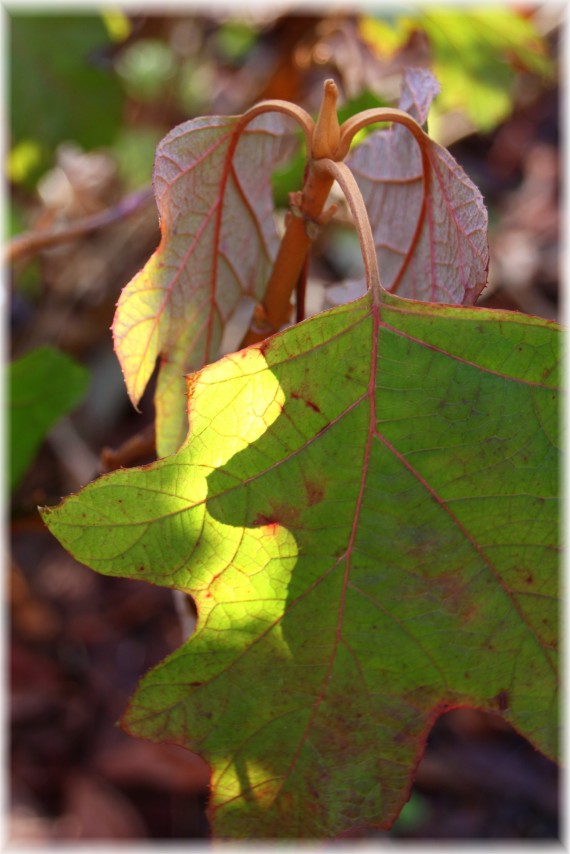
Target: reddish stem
322, 140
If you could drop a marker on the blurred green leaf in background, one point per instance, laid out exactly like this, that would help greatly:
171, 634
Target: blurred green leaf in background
147, 66
44, 385
476, 54
60, 88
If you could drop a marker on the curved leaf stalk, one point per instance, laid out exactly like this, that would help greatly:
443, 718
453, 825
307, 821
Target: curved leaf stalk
354, 124
342, 174
287, 109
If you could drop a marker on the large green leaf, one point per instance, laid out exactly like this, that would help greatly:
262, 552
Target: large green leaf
365, 513
44, 385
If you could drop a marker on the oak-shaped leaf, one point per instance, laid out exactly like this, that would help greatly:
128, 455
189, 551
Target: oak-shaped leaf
212, 182
428, 219
365, 513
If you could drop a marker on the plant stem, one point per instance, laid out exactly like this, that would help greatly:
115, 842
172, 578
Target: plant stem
275, 309
131, 452
308, 205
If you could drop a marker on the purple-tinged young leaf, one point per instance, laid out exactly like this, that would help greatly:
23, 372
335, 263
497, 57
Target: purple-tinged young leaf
212, 181
431, 240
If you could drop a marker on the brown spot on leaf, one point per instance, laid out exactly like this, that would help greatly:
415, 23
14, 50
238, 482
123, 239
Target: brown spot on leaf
296, 396
315, 492
280, 513
263, 521
191, 380
502, 700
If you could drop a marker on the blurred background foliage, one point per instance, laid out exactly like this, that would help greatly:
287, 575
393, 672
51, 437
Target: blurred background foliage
90, 95
111, 73
478, 55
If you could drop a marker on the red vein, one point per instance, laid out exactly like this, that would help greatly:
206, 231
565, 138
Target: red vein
216, 242
251, 211
405, 631
174, 280
449, 204
227, 170
479, 367
209, 151
423, 213
348, 554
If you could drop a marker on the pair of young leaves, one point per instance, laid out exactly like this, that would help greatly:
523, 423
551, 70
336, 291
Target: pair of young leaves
364, 509
212, 183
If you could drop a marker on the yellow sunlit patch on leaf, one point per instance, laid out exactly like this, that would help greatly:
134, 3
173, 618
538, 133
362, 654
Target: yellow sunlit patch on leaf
238, 411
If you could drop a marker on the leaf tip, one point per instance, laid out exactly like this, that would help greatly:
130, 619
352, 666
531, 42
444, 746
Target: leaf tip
46, 515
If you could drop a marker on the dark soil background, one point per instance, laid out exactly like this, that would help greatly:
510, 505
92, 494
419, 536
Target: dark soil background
78, 643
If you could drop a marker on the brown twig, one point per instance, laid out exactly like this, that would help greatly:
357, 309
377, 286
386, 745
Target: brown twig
133, 450
32, 242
